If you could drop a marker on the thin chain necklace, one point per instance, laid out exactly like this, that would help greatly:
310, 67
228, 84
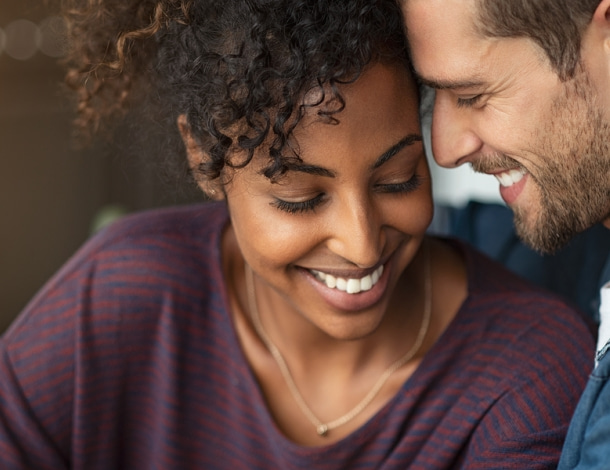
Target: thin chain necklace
323, 428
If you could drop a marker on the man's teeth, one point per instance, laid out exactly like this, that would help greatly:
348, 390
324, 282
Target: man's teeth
508, 178
351, 286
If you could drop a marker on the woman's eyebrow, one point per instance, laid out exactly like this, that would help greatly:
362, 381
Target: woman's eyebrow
388, 154
405, 141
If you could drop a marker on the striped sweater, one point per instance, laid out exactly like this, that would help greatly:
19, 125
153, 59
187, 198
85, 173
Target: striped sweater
127, 359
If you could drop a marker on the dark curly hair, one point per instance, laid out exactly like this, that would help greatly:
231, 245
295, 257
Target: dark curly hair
238, 69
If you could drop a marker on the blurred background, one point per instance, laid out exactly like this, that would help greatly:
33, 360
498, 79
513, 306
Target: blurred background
51, 194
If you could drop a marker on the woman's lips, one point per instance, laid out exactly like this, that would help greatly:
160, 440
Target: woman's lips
350, 293
350, 285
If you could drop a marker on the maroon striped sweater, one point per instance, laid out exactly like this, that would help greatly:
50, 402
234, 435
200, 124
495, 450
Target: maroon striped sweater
127, 359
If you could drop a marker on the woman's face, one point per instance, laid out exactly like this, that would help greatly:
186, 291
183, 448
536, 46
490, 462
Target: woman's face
329, 240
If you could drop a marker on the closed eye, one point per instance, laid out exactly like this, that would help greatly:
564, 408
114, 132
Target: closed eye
298, 207
468, 102
404, 187
310, 205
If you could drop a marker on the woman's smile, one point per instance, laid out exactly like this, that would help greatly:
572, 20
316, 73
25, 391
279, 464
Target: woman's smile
350, 283
351, 293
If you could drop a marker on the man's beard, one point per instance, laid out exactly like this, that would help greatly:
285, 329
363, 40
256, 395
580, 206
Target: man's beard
573, 177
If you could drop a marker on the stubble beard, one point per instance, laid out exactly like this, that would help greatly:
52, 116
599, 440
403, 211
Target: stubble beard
573, 177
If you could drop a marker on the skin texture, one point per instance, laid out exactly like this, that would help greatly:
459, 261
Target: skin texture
356, 226
500, 106
359, 222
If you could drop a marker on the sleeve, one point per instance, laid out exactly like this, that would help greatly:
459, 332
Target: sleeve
544, 372
539, 451
516, 435
37, 376
26, 441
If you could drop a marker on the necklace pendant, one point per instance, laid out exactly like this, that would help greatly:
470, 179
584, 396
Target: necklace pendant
322, 430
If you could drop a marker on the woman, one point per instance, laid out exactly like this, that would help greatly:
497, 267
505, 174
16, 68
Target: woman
304, 320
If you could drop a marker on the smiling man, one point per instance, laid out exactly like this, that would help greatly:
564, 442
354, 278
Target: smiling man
523, 94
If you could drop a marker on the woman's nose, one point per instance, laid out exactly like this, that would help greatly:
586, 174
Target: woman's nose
357, 234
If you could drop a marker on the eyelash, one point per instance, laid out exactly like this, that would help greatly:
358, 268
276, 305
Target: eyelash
298, 207
311, 204
468, 102
404, 187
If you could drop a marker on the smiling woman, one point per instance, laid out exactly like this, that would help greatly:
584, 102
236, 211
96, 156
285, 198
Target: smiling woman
303, 319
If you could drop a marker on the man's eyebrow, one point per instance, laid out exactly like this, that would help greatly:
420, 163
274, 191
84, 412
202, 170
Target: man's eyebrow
404, 142
450, 84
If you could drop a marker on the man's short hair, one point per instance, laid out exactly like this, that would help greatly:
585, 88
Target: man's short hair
555, 25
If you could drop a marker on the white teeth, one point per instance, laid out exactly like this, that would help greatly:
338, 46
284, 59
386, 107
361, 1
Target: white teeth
351, 286
508, 178
331, 281
366, 283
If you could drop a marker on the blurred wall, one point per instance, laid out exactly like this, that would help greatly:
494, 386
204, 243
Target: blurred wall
49, 191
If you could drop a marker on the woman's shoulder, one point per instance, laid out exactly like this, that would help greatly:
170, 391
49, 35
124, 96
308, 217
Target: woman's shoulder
513, 313
138, 263
488, 278
176, 221
166, 235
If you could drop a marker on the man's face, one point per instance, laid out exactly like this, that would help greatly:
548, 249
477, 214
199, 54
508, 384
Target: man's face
500, 106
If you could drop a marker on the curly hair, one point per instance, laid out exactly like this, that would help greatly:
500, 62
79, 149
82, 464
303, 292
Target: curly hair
555, 25
237, 69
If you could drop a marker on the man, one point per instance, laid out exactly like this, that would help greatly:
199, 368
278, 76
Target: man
523, 93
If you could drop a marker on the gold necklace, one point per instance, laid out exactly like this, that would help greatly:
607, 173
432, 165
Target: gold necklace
323, 428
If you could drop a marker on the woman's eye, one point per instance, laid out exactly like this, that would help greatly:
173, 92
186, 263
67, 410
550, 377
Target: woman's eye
404, 187
298, 207
311, 204
468, 102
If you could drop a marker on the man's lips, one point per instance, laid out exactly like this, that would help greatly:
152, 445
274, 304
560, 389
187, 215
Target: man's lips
512, 183
507, 178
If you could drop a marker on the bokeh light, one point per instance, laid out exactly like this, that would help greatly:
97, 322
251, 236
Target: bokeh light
22, 39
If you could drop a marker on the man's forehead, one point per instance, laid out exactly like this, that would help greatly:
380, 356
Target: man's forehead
430, 10
446, 49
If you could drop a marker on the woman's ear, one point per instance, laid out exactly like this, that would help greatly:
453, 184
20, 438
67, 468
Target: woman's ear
195, 156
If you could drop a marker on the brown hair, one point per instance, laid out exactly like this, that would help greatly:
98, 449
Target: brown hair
555, 25
107, 58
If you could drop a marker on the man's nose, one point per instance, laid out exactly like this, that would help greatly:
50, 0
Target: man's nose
454, 140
